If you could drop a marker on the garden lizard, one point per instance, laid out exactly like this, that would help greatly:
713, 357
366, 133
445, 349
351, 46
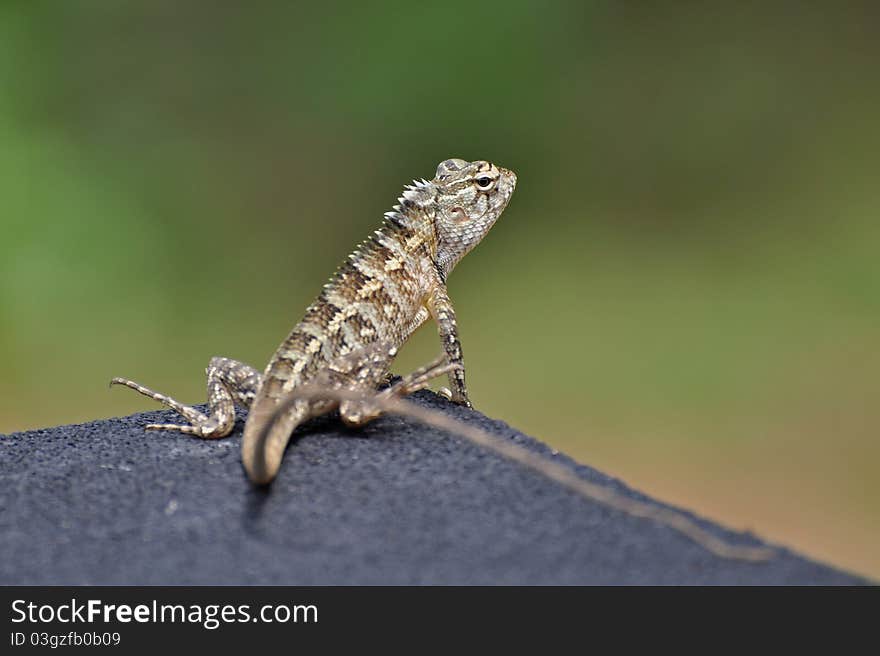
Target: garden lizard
340, 354
389, 286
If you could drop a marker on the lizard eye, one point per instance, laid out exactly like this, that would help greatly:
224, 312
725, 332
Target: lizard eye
485, 182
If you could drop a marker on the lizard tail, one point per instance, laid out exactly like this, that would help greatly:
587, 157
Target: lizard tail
265, 439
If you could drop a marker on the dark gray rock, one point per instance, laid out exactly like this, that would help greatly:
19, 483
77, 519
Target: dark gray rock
392, 503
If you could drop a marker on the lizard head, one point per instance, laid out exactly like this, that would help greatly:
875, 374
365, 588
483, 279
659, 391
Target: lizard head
468, 198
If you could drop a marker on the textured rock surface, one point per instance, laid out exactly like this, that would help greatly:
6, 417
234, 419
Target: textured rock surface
393, 503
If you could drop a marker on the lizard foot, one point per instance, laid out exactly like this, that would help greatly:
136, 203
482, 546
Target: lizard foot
200, 424
358, 413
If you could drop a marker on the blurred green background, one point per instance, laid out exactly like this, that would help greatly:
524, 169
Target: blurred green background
684, 291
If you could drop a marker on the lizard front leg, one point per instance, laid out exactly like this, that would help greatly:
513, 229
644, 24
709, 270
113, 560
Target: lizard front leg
229, 382
443, 313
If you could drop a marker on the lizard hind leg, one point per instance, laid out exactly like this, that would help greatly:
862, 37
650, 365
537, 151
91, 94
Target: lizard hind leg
421, 377
357, 413
229, 382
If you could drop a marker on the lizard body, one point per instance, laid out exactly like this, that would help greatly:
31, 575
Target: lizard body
389, 286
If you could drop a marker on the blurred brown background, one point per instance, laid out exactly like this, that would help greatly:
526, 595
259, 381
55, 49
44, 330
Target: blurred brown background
684, 291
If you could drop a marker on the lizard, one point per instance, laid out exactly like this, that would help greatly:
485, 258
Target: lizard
339, 355
391, 284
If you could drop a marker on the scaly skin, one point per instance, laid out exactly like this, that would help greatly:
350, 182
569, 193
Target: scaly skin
390, 285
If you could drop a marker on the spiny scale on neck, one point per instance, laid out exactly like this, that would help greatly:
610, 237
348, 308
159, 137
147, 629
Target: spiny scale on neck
376, 294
